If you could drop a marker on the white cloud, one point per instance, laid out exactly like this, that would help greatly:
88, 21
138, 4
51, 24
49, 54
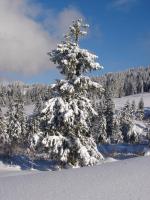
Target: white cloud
123, 4
59, 23
24, 42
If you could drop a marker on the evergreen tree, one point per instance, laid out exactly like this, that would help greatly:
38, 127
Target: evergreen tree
21, 119
67, 115
16, 127
109, 110
117, 136
140, 111
4, 138
12, 125
34, 136
126, 121
133, 109
129, 132
98, 128
102, 135
38, 105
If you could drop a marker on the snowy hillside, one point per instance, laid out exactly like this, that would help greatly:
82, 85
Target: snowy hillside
119, 102
122, 180
140, 127
28, 109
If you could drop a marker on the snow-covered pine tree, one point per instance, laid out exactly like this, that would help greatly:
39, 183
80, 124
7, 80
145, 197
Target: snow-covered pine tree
127, 124
38, 105
4, 139
11, 127
16, 127
67, 116
140, 110
34, 135
34, 128
126, 121
117, 136
109, 110
21, 120
133, 109
99, 122
102, 135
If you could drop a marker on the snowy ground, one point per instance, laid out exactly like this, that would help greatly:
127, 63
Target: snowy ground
122, 180
128, 179
27, 108
120, 102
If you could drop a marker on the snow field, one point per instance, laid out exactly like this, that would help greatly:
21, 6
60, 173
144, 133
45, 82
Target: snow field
120, 102
122, 180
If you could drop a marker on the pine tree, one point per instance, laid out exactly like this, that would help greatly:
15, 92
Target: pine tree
140, 111
34, 136
11, 127
117, 136
16, 126
99, 123
4, 138
109, 110
67, 115
21, 119
38, 105
127, 124
102, 135
133, 109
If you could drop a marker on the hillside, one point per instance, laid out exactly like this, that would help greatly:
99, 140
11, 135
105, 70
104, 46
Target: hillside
130, 82
119, 102
142, 127
133, 81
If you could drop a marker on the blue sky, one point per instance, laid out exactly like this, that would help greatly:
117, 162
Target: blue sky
119, 34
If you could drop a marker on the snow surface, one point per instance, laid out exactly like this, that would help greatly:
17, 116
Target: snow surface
120, 102
5, 167
122, 180
147, 152
27, 108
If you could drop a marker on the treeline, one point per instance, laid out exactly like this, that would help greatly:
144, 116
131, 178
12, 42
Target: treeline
118, 126
21, 134
132, 81
28, 93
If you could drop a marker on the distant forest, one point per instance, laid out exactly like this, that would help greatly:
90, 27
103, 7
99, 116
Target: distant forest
132, 81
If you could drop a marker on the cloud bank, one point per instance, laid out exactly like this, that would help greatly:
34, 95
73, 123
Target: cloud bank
24, 40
